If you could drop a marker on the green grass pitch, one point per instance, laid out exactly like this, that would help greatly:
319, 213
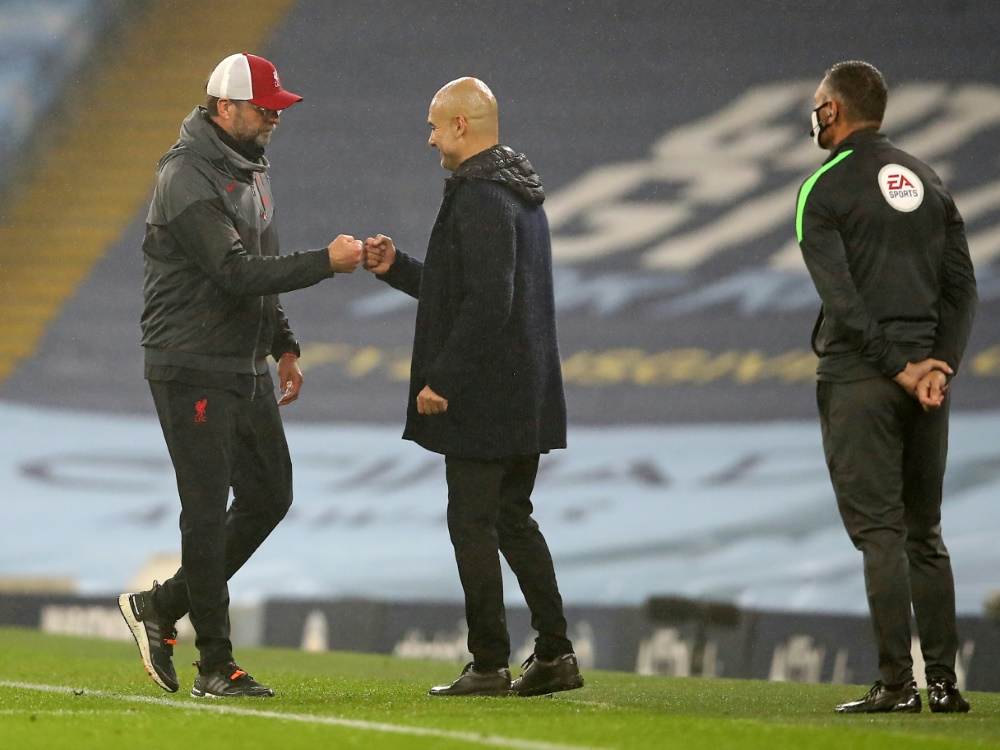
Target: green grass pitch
60, 692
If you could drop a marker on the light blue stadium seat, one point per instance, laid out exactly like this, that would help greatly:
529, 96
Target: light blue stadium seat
41, 43
17, 103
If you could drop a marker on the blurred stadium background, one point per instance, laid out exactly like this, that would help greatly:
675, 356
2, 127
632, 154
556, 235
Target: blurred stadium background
671, 138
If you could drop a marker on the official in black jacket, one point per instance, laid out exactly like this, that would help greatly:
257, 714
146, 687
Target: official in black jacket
211, 318
486, 384
885, 246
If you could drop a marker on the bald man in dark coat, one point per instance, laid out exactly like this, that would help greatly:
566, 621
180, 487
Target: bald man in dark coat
486, 383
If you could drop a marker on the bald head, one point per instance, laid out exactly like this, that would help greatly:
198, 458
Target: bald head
463, 120
471, 98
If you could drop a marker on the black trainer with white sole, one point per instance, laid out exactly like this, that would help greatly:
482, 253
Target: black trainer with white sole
154, 636
227, 681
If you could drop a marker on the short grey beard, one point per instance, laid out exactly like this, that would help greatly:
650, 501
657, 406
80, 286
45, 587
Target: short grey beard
262, 139
258, 140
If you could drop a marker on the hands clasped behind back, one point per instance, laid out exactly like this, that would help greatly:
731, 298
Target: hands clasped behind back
926, 381
345, 253
914, 372
931, 390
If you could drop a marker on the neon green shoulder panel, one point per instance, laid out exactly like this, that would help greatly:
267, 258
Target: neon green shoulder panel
808, 186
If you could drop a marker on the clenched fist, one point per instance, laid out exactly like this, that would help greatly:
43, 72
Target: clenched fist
345, 253
379, 254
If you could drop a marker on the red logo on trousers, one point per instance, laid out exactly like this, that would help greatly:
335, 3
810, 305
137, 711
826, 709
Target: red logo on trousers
199, 410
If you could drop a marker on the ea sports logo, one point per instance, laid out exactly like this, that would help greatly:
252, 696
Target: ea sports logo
901, 188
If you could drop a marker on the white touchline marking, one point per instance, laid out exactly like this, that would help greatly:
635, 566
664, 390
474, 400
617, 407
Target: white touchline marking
374, 726
61, 712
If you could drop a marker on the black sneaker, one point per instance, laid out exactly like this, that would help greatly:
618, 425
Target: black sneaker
882, 698
472, 682
227, 681
154, 636
543, 677
943, 698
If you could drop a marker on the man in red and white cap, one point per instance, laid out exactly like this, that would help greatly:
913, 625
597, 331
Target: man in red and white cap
250, 78
212, 315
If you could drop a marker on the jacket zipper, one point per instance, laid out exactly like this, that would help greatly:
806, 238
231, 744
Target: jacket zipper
253, 361
258, 193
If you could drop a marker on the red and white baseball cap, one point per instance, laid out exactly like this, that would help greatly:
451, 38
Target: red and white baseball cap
244, 77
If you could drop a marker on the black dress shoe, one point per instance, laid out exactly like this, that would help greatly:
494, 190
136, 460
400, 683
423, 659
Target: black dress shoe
472, 682
882, 698
544, 677
943, 698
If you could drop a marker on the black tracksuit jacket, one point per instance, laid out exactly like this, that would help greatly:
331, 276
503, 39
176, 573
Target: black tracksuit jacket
885, 246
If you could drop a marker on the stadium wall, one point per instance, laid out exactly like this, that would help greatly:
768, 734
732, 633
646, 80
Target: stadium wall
673, 637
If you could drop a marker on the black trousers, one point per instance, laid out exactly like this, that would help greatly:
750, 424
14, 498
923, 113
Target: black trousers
217, 440
887, 459
489, 512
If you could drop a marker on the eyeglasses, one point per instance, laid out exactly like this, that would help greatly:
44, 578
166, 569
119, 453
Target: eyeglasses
265, 113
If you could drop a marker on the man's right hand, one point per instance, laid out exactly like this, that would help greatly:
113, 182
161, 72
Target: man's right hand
917, 371
345, 253
379, 254
931, 390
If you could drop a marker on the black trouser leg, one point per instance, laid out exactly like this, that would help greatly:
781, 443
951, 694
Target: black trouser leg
527, 553
489, 510
863, 428
239, 444
473, 507
931, 578
262, 483
201, 449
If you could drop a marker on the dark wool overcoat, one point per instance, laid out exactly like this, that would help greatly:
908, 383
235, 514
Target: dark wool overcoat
485, 335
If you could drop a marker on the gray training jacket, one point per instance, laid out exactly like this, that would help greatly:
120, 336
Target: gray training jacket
212, 269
